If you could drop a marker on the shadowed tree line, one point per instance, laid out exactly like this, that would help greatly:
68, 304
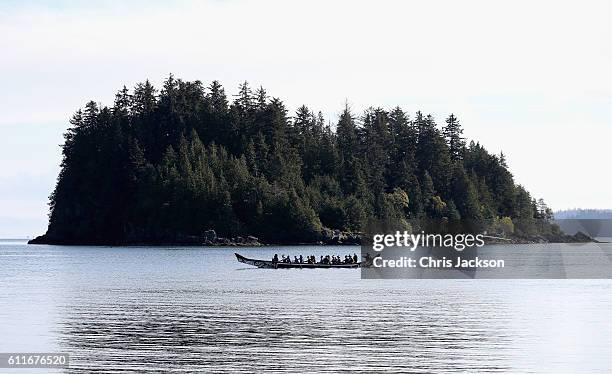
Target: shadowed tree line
163, 166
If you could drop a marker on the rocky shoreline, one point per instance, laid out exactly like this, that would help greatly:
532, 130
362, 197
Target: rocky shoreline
327, 237
210, 239
579, 237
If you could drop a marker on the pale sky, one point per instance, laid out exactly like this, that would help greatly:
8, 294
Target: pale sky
531, 79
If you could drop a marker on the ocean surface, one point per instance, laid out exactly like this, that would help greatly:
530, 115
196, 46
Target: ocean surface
118, 309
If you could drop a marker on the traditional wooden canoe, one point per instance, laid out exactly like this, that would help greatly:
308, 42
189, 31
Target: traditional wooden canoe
282, 265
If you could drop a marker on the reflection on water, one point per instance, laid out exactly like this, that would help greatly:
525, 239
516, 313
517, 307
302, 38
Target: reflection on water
274, 330
152, 309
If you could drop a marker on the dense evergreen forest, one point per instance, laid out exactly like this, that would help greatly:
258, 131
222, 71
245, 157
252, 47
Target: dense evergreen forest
164, 166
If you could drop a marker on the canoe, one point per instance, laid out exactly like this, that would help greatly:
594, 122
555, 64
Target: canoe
263, 264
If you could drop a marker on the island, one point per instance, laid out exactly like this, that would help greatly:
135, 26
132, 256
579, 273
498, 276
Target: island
186, 165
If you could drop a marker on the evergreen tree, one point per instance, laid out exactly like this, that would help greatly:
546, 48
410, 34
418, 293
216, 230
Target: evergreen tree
464, 193
453, 134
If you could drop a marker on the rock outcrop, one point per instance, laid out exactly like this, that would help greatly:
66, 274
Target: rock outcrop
337, 237
210, 238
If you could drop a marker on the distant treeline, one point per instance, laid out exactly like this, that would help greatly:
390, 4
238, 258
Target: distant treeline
163, 166
584, 214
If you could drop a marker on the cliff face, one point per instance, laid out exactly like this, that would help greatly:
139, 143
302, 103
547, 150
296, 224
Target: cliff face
163, 168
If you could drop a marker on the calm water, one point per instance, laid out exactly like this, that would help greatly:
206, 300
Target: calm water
160, 309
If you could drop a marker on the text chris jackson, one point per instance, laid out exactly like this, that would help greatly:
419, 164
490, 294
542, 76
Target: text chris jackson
458, 242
